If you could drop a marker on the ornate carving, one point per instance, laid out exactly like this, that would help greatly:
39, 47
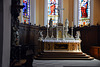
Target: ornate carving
15, 11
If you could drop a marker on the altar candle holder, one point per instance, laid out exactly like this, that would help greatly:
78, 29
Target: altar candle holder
72, 31
52, 33
47, 31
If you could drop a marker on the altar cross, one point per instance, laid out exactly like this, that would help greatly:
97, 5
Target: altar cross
59, 9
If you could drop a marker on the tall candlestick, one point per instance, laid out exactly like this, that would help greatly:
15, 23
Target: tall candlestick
47, 31
63, 34
47, 23
52, 33
72, 23
72, 31
57, 31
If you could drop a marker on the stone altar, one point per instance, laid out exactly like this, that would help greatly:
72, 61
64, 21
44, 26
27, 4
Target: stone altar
63, 40
62, 45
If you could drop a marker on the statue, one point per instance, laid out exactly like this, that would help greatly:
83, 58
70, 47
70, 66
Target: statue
66, 24
50, 22
51, 27
66, 28
41, 35
77, 35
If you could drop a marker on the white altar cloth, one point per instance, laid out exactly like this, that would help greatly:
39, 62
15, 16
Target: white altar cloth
64, 41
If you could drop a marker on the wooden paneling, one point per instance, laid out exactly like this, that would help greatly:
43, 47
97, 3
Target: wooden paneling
99, 54
24, 32
29, 34
95, 51
89, 36
98, 35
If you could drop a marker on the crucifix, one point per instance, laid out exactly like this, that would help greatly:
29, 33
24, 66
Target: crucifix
59, 10
59, 21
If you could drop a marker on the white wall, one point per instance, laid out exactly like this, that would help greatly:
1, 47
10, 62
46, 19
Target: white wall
45, 12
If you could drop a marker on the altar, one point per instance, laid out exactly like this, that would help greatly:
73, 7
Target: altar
61, 41
62, 45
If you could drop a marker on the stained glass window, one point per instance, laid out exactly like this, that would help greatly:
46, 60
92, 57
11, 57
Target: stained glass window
52, 11
26, 11
84, 13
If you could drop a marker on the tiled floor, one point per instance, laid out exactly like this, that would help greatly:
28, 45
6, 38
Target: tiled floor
65, 63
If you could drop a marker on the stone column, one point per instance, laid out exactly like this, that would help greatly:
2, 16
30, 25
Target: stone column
75, 13
1, 30
91, 11
45, 12
33, 11
5, 32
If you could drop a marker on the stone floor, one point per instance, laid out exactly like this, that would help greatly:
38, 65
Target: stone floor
66, 63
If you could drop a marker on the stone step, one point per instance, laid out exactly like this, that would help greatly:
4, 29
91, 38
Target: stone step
63, 52
63, 55
64, 58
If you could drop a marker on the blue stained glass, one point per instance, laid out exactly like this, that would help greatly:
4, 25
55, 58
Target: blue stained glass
26, 11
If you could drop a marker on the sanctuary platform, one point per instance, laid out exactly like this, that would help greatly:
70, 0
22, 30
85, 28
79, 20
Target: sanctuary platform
63, 56
63, 46
62, 50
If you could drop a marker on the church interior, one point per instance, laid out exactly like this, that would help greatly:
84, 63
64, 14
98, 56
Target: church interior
49, 33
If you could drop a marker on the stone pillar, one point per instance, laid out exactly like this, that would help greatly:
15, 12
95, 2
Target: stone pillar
75, 13
45, 12
5, 32
1, 30
33, 11
91, 11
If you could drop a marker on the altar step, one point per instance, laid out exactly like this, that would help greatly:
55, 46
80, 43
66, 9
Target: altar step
63, 56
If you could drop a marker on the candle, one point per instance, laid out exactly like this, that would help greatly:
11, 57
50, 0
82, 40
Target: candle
72, 23
47, 23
